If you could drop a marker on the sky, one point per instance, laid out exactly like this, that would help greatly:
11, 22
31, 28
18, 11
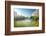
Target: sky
25, 12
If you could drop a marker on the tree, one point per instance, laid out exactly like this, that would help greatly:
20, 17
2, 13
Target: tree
32, 17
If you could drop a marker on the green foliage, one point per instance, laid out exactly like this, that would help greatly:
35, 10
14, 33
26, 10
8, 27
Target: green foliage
34, 18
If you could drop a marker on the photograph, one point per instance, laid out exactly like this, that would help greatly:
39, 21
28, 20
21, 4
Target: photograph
25, 17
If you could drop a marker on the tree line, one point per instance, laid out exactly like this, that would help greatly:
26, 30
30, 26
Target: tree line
23, 18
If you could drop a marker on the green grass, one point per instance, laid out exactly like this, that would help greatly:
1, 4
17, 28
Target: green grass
26, 24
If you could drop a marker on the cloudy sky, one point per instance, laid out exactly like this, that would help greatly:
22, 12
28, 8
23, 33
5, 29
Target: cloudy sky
24, 12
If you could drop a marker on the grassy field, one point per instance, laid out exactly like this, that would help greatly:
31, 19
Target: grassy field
26, 24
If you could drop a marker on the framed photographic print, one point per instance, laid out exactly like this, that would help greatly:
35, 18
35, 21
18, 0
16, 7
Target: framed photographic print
24, 17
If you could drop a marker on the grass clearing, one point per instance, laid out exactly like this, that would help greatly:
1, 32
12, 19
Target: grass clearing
26, 24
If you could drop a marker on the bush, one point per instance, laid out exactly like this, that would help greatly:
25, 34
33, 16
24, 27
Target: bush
34, 18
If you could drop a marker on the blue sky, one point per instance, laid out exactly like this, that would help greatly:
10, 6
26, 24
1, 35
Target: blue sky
24, 12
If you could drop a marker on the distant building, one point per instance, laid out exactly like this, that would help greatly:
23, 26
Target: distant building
15, 14
35, 13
